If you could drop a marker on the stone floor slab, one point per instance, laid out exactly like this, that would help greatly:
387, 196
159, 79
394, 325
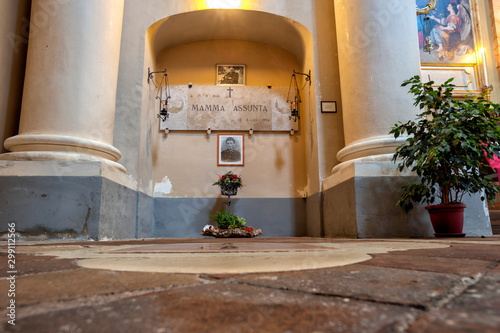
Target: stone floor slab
66, 285
458, 266
482, 297
461, 250
401, 286
445, 321
224, 307
227, 246
31, 264
261, 258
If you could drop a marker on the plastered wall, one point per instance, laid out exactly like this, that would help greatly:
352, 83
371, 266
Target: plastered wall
274, 162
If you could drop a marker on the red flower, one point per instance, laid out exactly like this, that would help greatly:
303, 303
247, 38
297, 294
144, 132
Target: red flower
249, 229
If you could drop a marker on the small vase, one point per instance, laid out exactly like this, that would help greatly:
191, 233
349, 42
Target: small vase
447, 220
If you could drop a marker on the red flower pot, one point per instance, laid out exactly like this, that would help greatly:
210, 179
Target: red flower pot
447, 220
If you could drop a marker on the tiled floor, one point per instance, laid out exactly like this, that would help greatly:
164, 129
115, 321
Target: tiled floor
259, 285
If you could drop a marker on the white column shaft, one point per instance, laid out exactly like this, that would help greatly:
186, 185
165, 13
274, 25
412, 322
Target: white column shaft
71, 78
378, 50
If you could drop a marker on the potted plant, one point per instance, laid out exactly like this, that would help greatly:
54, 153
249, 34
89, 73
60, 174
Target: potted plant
229, 183
447, 148
229, 225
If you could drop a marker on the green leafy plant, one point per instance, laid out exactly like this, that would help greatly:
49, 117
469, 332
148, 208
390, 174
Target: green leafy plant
447, 145
226, 220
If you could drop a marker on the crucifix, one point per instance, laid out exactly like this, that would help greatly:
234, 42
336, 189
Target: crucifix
230, 89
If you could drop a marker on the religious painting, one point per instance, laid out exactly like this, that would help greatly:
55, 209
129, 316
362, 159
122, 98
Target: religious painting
230, 75
447, 34
230, 149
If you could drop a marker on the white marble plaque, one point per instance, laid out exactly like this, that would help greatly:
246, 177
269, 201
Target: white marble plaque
229, 108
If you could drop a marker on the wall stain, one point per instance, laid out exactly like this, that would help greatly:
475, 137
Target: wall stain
88, 215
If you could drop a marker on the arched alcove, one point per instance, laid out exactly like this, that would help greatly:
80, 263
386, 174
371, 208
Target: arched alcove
184, 164
231, 24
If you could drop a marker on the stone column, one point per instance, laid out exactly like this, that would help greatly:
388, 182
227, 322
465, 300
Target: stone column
13, 49
70, 86
378, 50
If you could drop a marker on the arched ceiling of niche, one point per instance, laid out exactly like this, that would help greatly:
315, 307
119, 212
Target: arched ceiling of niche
230, 24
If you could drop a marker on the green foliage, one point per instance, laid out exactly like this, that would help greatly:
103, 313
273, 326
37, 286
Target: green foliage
446, 145
225, 220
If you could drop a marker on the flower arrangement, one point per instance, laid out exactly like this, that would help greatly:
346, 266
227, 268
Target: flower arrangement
229, 225
229, 179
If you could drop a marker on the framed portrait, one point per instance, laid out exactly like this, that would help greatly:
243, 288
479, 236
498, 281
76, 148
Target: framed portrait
230, 75
230, 149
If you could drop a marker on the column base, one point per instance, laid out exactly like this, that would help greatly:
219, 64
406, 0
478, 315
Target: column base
79, 200
382, 145
360, 202
61, 143
59, 156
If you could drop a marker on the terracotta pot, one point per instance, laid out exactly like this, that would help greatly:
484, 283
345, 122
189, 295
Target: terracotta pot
447, 220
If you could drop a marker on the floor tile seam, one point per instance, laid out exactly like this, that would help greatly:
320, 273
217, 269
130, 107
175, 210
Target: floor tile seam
415, 306
457, 290
409, 270
37, 274
29, 310
409, 253
80, 268
492, 267
458, 275
42, 273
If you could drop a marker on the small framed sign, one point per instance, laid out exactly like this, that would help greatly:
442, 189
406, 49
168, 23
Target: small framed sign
230, 149
328, 107
230, 75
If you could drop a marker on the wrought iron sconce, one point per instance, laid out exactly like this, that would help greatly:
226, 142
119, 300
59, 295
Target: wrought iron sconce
295, 103
162, 89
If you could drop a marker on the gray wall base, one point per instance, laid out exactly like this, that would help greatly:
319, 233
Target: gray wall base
95, 207
363, 205
83, 207
186, 217
68, 207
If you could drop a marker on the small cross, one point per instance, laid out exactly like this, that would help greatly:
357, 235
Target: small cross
230, 89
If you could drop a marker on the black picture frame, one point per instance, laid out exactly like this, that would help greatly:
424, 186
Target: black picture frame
230, 154
328, 107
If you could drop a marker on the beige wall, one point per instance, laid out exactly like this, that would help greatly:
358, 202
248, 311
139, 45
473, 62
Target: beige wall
274, 162
283, 21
